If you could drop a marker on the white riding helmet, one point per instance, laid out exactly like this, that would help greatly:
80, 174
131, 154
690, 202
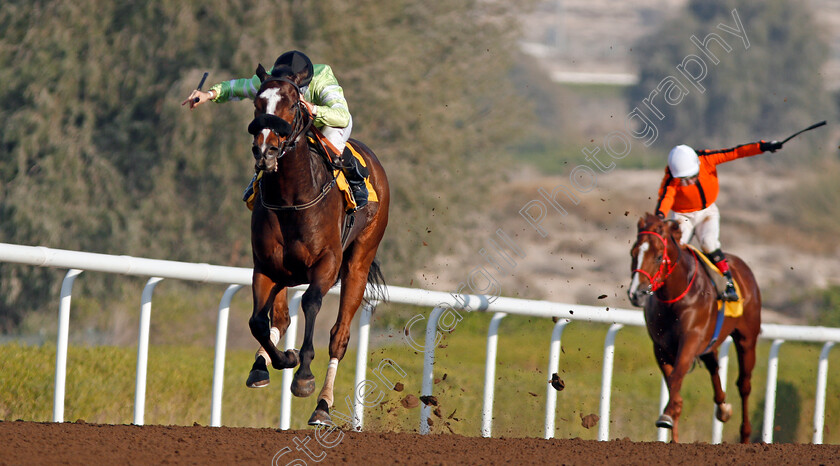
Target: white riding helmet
683, 161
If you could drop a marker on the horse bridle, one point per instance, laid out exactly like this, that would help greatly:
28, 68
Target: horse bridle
666, 267
658, 279
298, 130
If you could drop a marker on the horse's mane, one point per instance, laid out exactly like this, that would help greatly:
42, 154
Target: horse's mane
670, 228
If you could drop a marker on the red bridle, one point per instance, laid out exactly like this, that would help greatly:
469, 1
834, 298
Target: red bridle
666, 267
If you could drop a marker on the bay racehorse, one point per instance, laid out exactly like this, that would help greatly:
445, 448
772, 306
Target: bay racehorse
299, 236
681, 308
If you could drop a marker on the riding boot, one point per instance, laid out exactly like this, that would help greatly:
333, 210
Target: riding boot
729, 293
355, 174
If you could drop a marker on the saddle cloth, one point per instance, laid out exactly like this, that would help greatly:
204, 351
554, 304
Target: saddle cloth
340, 180
731, 308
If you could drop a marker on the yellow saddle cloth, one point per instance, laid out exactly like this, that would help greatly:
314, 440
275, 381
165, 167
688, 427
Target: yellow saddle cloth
340, 182
731, 308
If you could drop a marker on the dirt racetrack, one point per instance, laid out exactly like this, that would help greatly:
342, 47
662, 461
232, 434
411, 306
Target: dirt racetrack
81, 443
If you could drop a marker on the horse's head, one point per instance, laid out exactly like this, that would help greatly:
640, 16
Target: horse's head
277, 118
653, 256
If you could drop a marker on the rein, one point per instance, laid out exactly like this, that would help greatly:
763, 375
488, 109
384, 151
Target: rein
304, 206
666, 268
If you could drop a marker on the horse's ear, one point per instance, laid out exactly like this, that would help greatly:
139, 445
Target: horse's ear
261, 73
641, 223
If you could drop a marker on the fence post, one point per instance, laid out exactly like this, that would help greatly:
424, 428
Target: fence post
490, 374
770, 393
61, 343
428, 365
606, 382
553, 367
819, 403
723, 371
361, 363
664, 395
288, 374
219, 362
143, 350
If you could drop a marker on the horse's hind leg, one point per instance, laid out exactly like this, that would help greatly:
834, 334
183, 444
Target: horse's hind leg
353, 281
745, 347
723, 410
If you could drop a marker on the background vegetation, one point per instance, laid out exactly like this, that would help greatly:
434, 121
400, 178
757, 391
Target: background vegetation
98, 155
774, 87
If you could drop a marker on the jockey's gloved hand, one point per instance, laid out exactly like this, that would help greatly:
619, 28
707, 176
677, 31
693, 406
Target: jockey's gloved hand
771, 146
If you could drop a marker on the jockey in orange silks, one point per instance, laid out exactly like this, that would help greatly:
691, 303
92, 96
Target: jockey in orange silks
688, 193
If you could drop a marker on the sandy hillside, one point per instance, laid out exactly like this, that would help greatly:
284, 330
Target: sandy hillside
586, 253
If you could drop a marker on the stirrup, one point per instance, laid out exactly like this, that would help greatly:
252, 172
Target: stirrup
360, 194
729, 293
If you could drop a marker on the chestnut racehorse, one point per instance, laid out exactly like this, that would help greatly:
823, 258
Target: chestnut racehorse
298, 237
681, 308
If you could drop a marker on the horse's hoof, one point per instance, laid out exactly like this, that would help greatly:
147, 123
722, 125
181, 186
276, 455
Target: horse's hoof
665, 422
303, 387
257, 379
320, 418
723, 412
259, 375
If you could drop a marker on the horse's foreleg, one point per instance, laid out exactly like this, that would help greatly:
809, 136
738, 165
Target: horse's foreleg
259, 376
723, 410
689, 347
268, 297
666, 365
303, 384
746, 362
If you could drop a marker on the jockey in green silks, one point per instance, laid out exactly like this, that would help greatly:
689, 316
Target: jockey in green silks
323, 97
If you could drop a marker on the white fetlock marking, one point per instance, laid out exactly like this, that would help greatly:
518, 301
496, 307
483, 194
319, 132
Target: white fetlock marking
327, 392
274, 335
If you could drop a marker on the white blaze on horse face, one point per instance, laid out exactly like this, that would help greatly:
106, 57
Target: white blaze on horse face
640, 259
272, 98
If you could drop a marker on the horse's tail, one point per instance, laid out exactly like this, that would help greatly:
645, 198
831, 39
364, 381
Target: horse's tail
377, 290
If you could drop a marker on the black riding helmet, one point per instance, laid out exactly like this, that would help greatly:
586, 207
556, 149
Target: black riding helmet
297, 63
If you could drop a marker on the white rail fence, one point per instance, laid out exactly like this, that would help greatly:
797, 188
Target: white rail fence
236, 278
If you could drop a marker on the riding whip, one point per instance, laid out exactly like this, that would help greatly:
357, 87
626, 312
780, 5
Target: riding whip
815, 125
200, 84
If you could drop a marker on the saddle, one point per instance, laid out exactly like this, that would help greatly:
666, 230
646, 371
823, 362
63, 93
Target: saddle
730, 308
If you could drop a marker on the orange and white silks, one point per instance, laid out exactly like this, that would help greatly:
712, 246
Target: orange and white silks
690, 196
